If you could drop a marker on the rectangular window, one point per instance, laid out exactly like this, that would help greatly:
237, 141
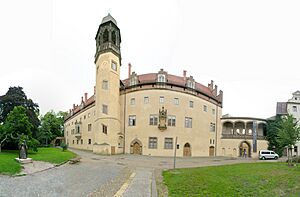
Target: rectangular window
188, 122
153, 142
191, 104
146, 99
81, 141
105, 109
212, 127
213, 111
205, 108
104, 84
161, 99
176, 101
73, 141
295, 149
114, 66
294, 108
132, 120
104, 129
172, 121
168, 143
77, 141
153, 119
132, 101
89, 127
90, 141
84, 117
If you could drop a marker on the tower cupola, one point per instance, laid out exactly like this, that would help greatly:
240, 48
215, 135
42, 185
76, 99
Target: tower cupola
108, 37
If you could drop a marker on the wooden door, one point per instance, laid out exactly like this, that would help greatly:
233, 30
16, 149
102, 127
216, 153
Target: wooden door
187, 150
211, 151
113, 150
137, 148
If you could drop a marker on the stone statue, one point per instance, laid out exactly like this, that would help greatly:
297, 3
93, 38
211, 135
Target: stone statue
23, 151
162, 119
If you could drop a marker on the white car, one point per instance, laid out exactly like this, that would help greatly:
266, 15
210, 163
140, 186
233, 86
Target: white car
267, 154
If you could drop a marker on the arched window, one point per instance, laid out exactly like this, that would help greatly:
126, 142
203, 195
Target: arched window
105, 36
113, 37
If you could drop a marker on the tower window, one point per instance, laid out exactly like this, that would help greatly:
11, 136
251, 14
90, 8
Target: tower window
132, 120
191, 104
205, 108
104, 129
114, 66
294, 108
104, 84
113, 37
105, 36
105, 109
89, 127
212, 127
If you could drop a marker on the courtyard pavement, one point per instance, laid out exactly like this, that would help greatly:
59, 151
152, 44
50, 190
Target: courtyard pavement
96, 175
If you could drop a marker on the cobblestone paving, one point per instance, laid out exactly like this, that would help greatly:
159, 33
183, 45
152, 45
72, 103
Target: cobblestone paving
75, 180
98, 175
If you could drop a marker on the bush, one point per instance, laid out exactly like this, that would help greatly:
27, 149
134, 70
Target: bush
64, 146
33, 144
296, 159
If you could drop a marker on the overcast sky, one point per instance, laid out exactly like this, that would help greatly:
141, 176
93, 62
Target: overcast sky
251, 49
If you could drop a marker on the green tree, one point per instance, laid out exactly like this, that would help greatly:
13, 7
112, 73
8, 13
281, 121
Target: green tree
15, 96
51, 126
273, 126
17, 124
288, 134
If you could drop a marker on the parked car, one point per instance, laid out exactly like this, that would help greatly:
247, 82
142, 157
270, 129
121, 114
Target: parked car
267, 154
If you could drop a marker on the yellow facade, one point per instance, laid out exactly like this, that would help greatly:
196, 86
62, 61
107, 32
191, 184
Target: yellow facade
145, 114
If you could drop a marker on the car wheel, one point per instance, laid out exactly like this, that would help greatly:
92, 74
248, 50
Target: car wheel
275, 157
263, 158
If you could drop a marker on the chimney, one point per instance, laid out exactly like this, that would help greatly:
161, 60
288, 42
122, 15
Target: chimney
129, 70
82, 99
73, 106
85, 97
184, 75
211, 85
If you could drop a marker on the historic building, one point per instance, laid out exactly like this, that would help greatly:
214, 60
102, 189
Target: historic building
292, 107
149, 114
243, 136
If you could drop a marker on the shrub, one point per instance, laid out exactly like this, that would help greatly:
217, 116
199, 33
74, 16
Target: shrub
64, 146
296, 159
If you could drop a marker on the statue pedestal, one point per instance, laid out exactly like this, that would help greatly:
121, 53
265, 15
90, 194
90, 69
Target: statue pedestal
23, 161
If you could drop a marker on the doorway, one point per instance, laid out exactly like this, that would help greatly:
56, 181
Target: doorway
187, 150
212, 151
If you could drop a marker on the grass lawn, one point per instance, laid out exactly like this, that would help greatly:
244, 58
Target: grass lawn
253, 179
52, 155
9, 166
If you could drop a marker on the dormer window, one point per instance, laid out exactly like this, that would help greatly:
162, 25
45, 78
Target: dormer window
133, 79
190, 82
161, 78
